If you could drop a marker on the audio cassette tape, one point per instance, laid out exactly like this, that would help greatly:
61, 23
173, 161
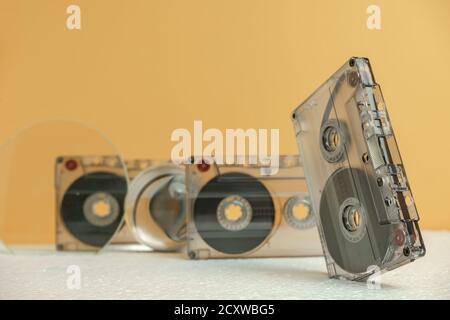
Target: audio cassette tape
242, 211
90, 195
155, 207
366, 215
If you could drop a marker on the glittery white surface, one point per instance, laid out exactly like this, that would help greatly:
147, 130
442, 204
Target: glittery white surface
128, 275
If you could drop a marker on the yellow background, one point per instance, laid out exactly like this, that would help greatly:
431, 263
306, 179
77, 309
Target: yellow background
139, 69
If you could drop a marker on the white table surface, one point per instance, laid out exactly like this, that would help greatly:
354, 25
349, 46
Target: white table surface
150, 275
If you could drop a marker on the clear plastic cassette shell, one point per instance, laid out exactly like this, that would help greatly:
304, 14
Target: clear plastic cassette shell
366, 215
93, 189
100, 182
244, 210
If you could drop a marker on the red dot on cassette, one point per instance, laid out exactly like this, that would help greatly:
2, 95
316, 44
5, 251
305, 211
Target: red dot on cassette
71, 165
203, 166
399, 237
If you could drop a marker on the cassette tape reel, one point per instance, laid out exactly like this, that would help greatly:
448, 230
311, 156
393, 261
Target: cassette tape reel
366, 215
239, 211
90, 195
155, 207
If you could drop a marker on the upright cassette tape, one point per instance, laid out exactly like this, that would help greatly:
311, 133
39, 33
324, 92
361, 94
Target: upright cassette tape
366, 214
90, 195
242, 211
